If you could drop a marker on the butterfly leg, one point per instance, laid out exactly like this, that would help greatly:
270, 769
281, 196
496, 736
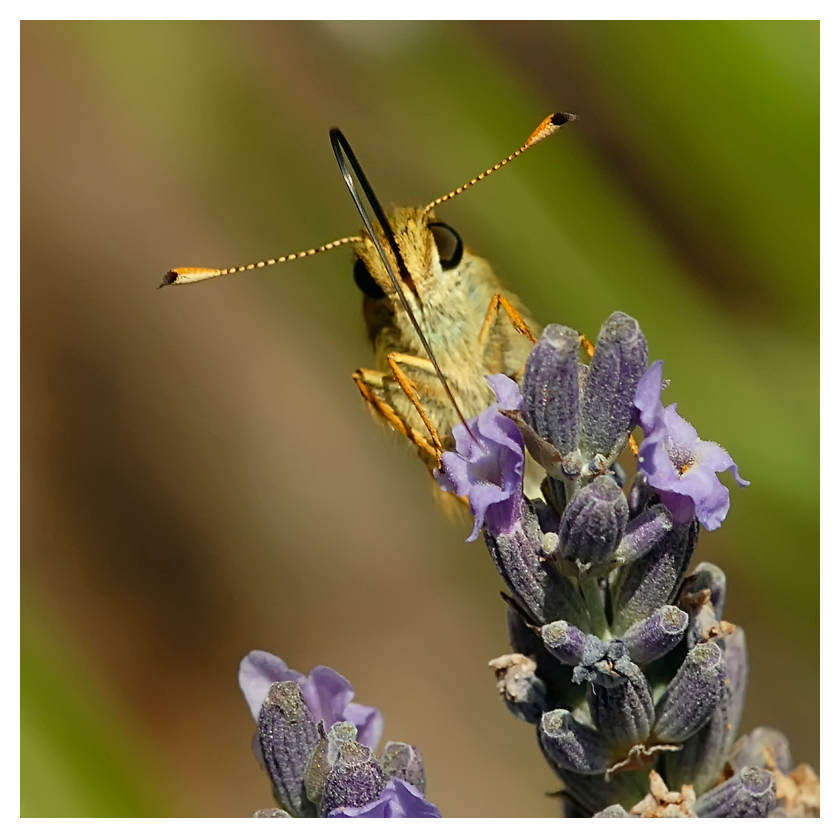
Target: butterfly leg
497, 303
373, 387
410, 389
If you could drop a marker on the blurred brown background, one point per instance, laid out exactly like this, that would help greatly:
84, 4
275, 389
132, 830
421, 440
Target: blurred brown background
200, 476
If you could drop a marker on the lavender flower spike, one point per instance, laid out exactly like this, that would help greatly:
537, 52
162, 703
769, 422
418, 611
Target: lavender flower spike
320, 773
677, 463
326, 693
489, 462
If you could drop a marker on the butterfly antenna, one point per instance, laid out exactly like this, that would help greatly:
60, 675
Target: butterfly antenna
182, 276
545, 129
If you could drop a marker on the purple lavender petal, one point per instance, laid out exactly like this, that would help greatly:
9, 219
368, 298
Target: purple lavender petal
678, 429
649, 396
719, 460
257, 671
507, 392
369, 723
455, 475
677, 463
399, 800
489, 462
327, 694
711, 498
680, 507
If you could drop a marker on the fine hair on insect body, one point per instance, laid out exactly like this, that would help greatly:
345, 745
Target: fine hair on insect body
436, 315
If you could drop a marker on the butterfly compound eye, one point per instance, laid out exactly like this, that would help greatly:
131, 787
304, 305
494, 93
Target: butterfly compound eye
365, 281
450, 246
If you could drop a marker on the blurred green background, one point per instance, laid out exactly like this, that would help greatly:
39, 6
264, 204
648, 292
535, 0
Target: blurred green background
200, 476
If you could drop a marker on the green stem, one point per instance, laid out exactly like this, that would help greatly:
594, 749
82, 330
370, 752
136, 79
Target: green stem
591, 592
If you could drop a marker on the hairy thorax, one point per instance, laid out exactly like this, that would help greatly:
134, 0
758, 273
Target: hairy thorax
451, 307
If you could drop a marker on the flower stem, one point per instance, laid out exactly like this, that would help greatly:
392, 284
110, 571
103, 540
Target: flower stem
591, 591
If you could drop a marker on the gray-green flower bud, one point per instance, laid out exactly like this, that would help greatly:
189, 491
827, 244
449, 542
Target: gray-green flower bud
287, 737
750, 793
693, 694
593, 523
571, 745
607, 409
402, 761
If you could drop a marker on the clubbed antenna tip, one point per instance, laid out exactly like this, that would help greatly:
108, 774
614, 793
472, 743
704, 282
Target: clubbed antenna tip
545, 129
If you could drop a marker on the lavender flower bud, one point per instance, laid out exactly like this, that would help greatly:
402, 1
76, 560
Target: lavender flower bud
356, 779
402, 761
693, 694
708, 576
750, 793
550, 388
654, 580
317, 768
702, 597
651, 638
571, 745
763, 747
700, 761
607, 409
737, 671
522, 691
619, 696
324, 756
591, 794
533, 581
287, 736
342, 732
593, 523
643, 533
704, 754
640, 494
702, 624
564, 641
